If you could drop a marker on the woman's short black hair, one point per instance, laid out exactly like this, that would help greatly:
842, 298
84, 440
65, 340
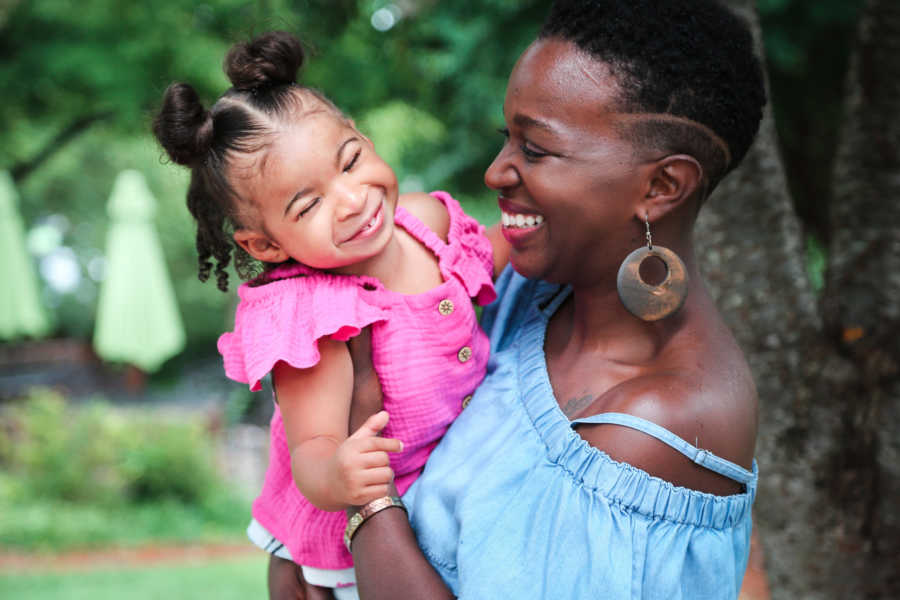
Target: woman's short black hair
693, 59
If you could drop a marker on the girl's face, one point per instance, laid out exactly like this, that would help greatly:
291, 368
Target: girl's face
568, 183
323, 196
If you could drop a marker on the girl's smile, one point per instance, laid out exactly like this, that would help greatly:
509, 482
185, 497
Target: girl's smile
324, 197
370, 227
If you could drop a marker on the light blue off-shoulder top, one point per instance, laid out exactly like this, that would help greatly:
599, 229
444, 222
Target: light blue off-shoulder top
514, 504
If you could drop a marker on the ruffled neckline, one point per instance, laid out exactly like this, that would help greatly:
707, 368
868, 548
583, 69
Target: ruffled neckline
593, 468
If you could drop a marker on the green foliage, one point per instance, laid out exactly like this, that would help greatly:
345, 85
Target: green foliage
429, 91
90, 473
223, 579
816, 262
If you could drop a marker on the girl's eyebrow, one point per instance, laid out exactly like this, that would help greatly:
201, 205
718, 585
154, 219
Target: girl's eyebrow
337, 158
296, 197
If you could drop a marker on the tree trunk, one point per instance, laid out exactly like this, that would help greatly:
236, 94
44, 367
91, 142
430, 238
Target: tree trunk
861, 307
826, 471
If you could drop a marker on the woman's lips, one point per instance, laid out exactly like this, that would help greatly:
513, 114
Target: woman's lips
519, 226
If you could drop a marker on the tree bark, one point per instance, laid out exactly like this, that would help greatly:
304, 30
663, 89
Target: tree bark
752, 254
861, 306
827, 456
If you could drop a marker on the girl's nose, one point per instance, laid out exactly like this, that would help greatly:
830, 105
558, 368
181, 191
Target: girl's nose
351, 200
501, 173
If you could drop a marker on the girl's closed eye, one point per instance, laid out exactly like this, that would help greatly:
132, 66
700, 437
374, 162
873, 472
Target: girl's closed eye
309, 206
349, 166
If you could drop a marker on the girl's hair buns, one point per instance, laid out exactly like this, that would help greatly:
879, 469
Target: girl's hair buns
183, 126
269, 60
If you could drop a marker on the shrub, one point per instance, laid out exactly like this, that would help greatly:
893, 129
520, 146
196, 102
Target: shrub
97, 454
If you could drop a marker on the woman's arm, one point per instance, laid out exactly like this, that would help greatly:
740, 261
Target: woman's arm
386, 556
501, 247
389, 563
331, 469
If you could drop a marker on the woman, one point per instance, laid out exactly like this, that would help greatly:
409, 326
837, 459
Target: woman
609, 451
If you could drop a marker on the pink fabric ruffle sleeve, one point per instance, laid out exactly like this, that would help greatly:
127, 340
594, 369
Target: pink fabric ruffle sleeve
468, 254
284, 319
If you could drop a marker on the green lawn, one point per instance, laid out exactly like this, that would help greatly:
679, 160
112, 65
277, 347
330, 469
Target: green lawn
242, 578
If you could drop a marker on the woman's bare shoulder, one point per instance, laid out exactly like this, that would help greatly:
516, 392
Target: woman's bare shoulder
429, 210
713, 408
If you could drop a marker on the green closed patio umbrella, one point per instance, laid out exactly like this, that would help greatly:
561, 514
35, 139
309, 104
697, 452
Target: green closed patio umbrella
21, 311
138, 322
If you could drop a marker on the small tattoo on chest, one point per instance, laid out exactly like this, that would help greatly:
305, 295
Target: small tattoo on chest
573, 406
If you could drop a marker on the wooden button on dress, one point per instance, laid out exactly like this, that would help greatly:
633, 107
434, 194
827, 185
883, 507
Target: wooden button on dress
464, 354
445, 307
466, 401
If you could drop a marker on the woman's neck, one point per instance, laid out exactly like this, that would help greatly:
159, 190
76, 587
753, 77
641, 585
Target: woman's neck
594, 320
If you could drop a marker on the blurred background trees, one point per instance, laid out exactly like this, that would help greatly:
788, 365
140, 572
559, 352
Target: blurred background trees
425, 79
799, 239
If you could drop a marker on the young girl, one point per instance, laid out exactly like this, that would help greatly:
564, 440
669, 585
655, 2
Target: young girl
277, 168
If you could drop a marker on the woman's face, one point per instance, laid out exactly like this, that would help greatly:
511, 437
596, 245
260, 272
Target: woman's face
568, 184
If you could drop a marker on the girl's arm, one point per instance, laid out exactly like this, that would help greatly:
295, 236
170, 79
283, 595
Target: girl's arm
331, 469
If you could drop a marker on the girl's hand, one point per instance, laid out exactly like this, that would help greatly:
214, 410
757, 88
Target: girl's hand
361, 464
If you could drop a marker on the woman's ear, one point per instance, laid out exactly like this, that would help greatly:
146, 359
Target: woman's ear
673, 182
260, 246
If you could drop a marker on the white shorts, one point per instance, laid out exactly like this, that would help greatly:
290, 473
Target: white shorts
342, 581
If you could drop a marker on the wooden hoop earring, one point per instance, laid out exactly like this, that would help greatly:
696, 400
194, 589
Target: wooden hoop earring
652, 302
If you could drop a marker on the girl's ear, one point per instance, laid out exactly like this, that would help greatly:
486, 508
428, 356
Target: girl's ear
260, 246
672, 183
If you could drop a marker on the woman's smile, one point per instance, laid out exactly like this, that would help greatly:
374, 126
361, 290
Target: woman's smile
519, 226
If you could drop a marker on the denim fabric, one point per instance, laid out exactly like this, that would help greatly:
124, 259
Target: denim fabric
514, 504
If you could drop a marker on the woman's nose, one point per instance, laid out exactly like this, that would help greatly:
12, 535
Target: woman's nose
501, 173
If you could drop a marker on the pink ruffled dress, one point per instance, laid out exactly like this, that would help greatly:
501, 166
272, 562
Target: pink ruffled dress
427, 349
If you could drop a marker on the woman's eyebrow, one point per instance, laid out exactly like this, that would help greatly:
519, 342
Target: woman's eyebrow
524, 121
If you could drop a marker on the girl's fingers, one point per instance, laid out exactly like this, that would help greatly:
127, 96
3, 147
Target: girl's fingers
378, 476
377, 444
372, 492
372, 427
371, 460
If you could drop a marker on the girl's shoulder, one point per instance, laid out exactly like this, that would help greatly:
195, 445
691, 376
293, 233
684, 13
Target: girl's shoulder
284, 319
429, 209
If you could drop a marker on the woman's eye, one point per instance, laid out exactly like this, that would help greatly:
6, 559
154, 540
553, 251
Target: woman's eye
352, 162
309, 206
531, 153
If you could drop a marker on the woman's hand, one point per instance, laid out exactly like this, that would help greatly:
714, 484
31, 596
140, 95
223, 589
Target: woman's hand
361, 464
